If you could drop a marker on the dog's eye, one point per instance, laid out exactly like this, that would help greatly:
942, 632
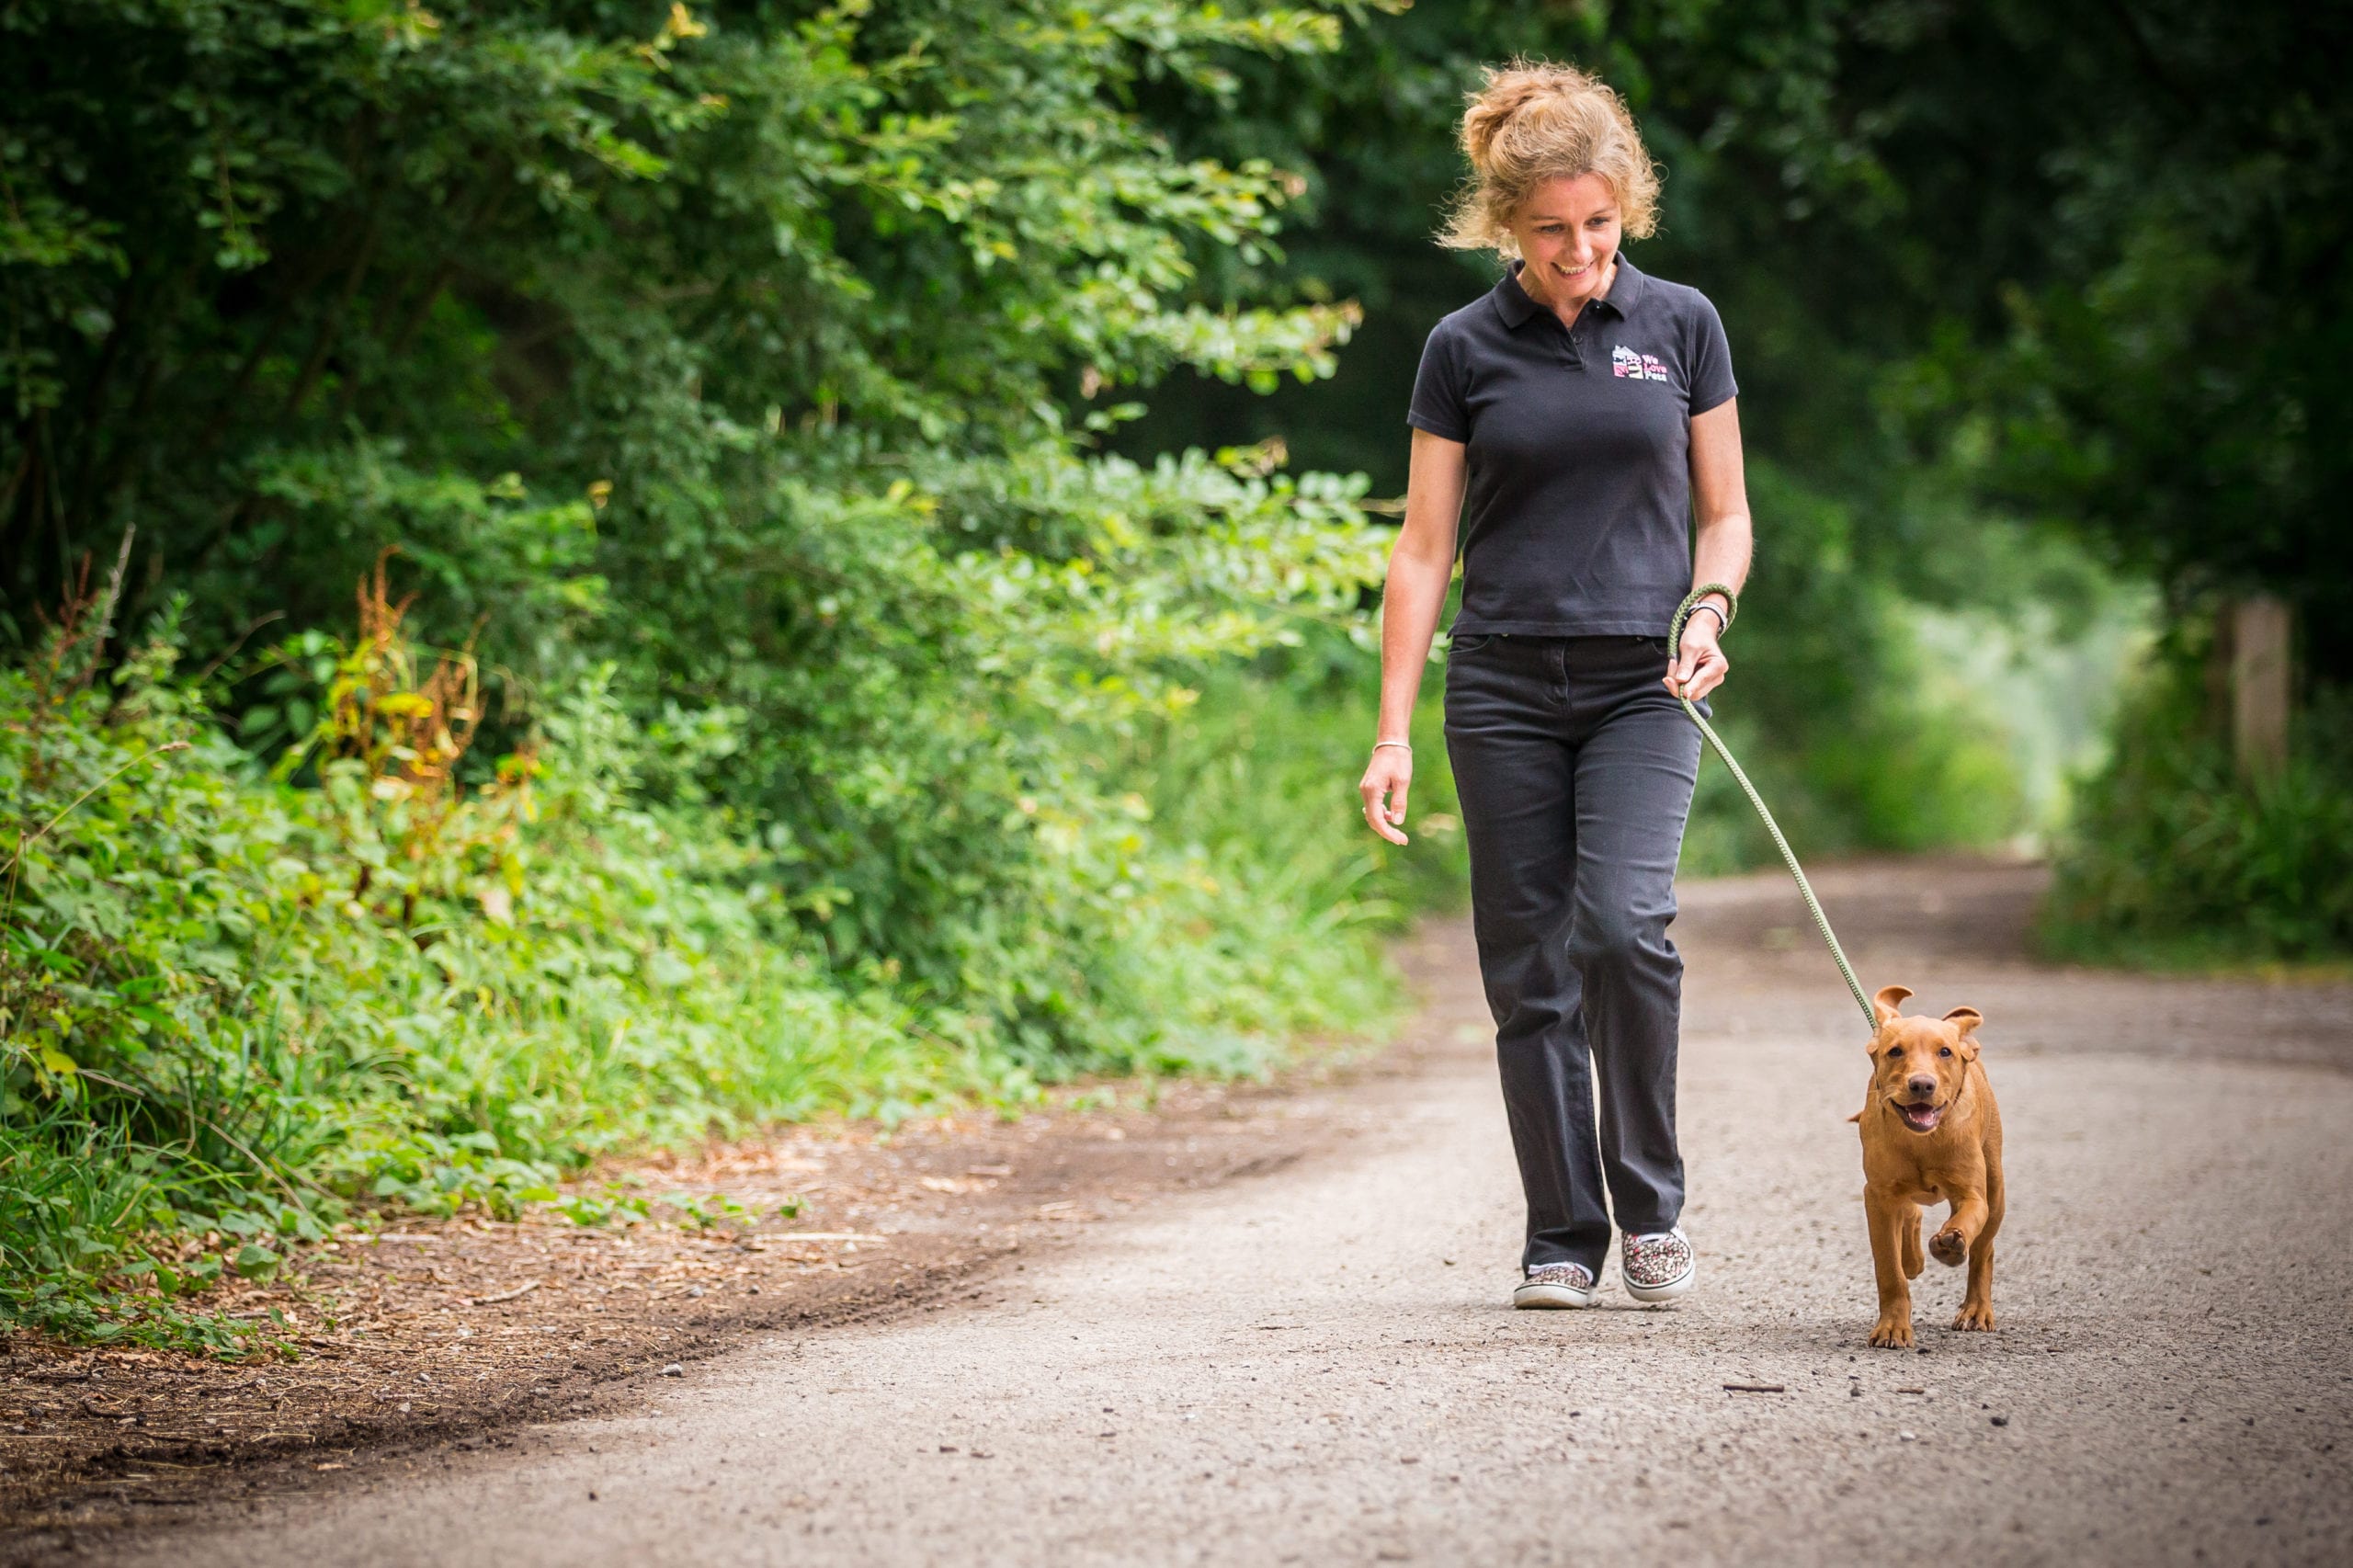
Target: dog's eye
1944, 1051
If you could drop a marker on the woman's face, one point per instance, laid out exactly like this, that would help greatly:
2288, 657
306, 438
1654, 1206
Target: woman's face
1567, 231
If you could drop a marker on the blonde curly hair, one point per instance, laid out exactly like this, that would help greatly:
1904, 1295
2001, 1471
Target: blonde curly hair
1533, 122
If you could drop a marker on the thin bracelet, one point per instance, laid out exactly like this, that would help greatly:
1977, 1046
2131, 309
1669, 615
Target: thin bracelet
1723, 621
1730, 600
1406, 745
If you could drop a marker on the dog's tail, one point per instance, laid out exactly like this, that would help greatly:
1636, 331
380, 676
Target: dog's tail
1858, 1115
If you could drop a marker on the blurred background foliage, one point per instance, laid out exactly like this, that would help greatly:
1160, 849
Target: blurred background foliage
865, 519
2038, 314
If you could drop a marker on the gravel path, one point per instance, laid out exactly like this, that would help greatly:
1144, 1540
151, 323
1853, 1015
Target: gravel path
1316, 1365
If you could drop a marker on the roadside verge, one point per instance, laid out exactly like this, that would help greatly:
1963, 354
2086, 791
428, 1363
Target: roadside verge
456, 1330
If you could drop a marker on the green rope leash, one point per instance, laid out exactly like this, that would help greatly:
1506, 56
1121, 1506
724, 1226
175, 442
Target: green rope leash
1821, 920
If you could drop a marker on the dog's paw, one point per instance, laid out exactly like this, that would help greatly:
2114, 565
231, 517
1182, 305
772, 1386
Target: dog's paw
1949, 1246
1893, 1334
1975, 1317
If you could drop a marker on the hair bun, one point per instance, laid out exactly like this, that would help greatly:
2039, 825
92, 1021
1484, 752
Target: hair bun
1532, 120
1522, 87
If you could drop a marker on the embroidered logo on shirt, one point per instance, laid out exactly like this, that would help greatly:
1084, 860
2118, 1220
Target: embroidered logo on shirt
1627, 365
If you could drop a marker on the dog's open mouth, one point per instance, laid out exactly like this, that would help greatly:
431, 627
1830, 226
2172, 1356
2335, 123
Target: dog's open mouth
1920, 1117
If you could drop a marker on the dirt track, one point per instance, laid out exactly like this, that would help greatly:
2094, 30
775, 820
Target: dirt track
1315, 1365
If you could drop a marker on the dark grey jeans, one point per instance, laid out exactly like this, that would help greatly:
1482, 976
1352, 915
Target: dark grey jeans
1575, 767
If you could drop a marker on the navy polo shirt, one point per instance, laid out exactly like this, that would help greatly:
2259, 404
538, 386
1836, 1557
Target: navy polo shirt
1578, 498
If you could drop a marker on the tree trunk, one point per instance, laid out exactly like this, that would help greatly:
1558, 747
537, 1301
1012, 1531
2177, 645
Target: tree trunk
2259, 692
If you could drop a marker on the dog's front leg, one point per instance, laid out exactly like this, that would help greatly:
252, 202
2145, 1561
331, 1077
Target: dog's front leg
1888, 1214
1951, 1245
1977, 1305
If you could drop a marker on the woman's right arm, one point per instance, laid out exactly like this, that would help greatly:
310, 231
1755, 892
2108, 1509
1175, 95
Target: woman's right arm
1421, 564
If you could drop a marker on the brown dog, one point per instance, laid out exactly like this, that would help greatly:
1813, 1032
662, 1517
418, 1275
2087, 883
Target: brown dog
1931, 1133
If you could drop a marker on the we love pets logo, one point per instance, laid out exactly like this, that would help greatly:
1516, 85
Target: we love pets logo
1629, 365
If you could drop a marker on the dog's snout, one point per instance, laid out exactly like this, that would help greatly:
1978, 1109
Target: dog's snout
1921, 1084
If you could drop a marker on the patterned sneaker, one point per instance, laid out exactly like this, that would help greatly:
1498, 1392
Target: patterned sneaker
1555, 1285
1658, 1266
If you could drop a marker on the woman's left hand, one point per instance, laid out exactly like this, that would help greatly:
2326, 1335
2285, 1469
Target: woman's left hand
1699, 663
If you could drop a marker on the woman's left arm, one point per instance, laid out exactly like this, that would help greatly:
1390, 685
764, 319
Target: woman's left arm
1720, 503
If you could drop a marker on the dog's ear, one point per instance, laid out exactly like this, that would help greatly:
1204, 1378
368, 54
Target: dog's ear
1886, 1003
1964, 1021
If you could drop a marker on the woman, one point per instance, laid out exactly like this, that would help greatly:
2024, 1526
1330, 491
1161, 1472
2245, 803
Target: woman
1575, 419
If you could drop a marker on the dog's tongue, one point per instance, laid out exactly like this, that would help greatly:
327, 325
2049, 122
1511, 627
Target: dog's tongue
1921, 1117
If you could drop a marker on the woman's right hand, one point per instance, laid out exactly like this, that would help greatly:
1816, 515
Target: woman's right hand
1413, 594
1387, 778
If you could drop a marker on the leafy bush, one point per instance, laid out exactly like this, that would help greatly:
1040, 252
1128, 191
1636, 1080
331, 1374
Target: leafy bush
2173, 858
238, 1000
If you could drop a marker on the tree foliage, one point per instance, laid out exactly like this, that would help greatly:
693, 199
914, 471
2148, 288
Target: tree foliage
744, 349
277, 272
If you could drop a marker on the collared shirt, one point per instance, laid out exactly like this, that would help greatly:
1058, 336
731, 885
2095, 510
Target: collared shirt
1576, 518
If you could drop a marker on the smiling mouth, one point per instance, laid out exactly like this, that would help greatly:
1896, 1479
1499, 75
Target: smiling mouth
1919, 1118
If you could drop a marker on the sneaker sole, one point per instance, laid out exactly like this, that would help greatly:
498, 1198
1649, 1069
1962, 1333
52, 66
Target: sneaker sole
1552, 1298
1680, 1285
